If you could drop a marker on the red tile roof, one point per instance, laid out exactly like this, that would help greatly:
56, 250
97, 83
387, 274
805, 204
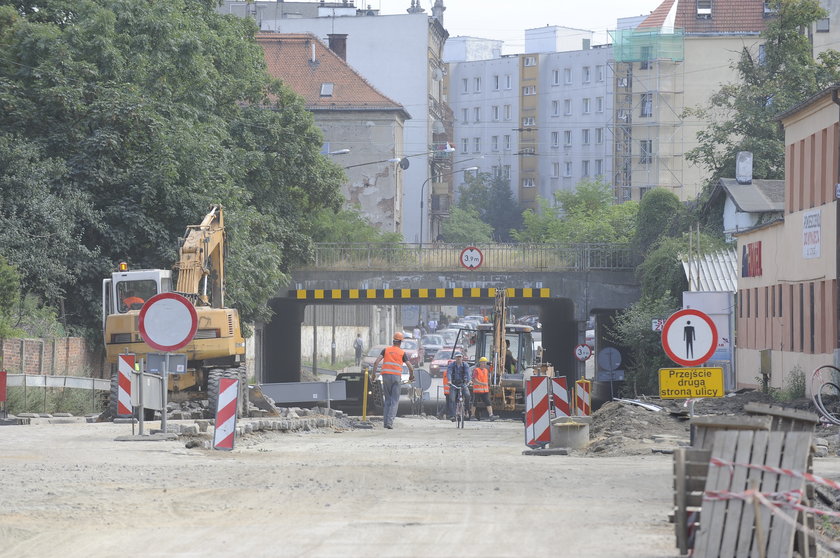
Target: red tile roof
728, 16
289, 58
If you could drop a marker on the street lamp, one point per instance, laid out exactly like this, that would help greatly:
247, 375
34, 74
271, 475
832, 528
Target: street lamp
423, 196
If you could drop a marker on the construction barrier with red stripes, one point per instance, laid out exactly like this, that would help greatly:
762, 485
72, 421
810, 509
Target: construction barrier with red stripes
226, 414
125, 368
537, 419
560, 396
583, 398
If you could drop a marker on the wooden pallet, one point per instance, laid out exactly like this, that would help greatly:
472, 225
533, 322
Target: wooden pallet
691, 466
784, 419
735, 528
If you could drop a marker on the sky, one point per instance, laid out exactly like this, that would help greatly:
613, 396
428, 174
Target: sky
508, 19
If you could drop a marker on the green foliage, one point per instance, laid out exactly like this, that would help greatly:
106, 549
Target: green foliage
347, 225
662, 271
586, 215
464, 226
632, 329
660, 214
740, 116
121, 122
9, 287
794, 386
78, 402
492, 201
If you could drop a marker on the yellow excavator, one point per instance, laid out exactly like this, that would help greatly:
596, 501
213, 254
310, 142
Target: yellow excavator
218, 349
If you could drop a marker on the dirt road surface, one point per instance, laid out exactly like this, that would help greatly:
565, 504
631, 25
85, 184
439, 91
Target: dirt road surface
422, 489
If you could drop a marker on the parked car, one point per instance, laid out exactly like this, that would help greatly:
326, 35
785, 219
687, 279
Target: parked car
372, 355
431, 344
475, 320
414, 351
448, 335
440, 361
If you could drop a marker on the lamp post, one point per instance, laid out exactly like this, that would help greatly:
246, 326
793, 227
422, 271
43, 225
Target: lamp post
423, 197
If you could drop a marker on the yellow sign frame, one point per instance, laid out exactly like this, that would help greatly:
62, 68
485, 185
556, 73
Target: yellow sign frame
691, 383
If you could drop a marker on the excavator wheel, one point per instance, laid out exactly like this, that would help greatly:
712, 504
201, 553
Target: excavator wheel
214, 378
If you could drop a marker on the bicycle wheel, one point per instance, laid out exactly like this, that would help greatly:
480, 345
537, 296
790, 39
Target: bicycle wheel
461, 413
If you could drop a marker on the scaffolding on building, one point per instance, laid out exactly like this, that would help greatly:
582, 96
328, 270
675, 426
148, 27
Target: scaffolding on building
648, 107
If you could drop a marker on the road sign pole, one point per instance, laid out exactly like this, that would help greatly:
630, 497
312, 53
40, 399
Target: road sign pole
142, 413
164, 389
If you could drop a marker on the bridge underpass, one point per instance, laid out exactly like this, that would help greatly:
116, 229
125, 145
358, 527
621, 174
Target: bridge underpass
567, 283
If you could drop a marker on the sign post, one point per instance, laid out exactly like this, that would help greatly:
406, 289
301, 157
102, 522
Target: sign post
168, 322
3, 392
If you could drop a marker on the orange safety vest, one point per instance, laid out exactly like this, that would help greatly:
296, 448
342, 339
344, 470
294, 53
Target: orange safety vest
445, 383
481, 383
133, 300
393, 360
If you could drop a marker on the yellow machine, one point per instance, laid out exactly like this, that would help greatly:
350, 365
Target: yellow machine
218, 348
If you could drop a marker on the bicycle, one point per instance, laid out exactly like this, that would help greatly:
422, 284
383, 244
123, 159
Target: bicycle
460, 407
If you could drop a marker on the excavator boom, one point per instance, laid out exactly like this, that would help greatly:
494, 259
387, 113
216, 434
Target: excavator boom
201, 261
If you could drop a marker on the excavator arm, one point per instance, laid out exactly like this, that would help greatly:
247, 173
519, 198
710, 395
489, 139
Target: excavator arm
201, 261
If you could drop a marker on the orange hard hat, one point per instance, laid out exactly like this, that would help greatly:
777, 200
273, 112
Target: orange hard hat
398, 336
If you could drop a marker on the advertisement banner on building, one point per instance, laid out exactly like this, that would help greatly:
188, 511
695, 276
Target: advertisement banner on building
811, 234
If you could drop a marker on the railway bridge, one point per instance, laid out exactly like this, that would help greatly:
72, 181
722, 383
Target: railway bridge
567, 282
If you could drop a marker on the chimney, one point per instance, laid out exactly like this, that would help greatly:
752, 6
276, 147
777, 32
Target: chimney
338, 44
744, 167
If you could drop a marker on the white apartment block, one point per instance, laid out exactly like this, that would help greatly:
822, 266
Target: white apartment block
541, 119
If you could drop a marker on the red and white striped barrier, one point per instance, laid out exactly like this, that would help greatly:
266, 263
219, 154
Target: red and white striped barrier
777, 470
560, 396
125, 368
226, 414
537, 419
583, 398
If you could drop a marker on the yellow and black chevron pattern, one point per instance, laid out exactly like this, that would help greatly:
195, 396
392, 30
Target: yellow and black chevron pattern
413, 294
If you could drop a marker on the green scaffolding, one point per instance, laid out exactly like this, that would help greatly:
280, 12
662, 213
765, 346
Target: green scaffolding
634, 45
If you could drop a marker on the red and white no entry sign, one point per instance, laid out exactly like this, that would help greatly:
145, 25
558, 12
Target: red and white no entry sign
168, 321
689, 337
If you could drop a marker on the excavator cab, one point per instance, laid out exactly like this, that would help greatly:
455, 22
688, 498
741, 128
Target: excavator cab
129, 290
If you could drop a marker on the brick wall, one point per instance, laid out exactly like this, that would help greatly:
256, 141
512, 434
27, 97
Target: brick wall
64, 356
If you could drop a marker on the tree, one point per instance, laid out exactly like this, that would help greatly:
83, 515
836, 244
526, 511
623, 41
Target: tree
347, 225
134, 118
464, 226
492, 201
660, 214
662, 269
740, 116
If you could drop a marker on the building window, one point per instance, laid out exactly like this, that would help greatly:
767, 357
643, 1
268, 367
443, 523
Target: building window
646, 56
704, 9
495, 171
507, 112
465, 85
586, 74
567, 169
529, 90
494, 143
465, 145
567, 138
508, 82
555, 108
529, 121
555, 139
646, 108
599, 136
823, 25
555, 77
507, 172
645, 152
495, 113
495, 83
567, 76
567, 107
644, 190
584, 136
587, 105
477, 114
584, 168
555, 170
507, 142
599, 167
465, 115
527, 182
476, 145
599, 104
599, 73
530, 60
477, 85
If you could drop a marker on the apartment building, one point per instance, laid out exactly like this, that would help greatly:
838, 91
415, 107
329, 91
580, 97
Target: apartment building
541, 118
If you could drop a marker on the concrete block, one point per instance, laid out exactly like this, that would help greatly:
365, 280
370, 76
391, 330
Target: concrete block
570, 432
202, 425
189, 429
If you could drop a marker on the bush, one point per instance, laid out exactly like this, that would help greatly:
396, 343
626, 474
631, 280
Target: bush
794, 386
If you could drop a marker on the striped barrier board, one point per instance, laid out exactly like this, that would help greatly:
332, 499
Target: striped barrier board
125, 367
415, 294
583, 398
537, 420
226, 414
560, 397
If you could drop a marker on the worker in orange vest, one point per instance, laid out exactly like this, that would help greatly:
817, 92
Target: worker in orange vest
446, 395
392, 359
481, 388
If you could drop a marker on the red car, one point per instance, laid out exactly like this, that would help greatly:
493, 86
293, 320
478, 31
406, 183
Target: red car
442, 359
414, 351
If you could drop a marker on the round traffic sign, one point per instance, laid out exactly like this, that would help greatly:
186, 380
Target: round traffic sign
689, 337
168, 321
583, 352
471, 257
609, 358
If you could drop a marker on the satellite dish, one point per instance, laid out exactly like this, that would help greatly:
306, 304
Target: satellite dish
404, 163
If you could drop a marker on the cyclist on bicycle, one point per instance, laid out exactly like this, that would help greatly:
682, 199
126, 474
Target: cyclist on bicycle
458, 374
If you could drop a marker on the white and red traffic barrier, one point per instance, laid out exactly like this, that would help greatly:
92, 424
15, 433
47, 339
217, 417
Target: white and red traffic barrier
583, 398
125, 368
537, 417
560, 396
226, 414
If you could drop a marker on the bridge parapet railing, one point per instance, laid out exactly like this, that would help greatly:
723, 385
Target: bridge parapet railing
446, 257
